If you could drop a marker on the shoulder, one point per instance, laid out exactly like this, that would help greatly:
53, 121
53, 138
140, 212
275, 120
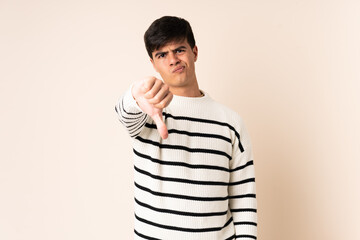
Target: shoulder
232, 117
236, 123
228, 114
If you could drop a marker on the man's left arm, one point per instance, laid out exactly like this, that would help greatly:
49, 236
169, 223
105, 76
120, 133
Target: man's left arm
242, 189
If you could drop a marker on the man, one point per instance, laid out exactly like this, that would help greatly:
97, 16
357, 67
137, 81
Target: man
194, 172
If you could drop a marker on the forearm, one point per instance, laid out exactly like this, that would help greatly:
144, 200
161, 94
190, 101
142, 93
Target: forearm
243, 205
130, 114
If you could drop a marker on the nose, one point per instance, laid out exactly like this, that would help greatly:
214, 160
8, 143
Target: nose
173, 59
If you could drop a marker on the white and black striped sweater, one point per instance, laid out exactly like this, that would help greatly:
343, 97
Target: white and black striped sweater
199, 183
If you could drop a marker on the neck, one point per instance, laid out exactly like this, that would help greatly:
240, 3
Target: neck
187, 93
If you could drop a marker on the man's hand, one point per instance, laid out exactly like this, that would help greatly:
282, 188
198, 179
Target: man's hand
152, 95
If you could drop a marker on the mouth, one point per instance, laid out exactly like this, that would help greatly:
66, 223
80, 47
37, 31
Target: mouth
179, 69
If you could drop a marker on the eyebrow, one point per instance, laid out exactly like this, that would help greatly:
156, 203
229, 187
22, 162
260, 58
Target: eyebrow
178, 48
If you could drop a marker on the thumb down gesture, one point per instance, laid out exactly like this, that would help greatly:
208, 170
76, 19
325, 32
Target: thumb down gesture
152, 95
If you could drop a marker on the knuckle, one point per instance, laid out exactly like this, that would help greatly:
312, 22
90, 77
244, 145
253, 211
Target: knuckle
161, 105
149, 80
150, 94
157, 98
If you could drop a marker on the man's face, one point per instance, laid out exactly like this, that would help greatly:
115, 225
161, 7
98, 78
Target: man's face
175, 63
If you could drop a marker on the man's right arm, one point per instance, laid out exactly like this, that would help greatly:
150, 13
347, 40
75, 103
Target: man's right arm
130, 114
145, 98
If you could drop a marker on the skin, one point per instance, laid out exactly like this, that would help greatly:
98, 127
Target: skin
175, 62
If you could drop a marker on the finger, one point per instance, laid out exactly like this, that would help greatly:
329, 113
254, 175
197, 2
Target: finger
154, 90
164, 90
161, 127
165, 102
148, 83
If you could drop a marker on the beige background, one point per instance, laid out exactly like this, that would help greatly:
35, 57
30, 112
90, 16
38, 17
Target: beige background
289, 68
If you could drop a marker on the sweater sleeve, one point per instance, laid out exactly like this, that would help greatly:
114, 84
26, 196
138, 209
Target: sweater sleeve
242, 190
130, 114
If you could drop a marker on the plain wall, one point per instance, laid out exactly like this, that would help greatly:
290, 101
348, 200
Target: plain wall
289, 68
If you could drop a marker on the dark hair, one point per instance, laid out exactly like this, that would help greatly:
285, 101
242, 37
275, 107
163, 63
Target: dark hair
165, 30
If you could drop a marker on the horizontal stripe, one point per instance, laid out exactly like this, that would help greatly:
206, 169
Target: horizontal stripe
138, 128
192, 134
133, 120
171, 195
242, 182
129, 113
179, 147
249, 163
245, 223
243, 210
232, 237
243, 196
182, 164
192, 214
135, 123
182, 180
182, 229
168, 115
245, 236
144, 236
194, 166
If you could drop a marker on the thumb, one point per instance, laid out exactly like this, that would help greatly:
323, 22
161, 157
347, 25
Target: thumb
161, 127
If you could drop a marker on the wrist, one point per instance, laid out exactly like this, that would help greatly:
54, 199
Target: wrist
135, 93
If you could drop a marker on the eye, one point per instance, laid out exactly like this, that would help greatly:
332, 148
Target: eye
161, 55
180, 50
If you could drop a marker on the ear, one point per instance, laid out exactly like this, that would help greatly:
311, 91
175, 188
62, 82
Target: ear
154, 65
195, 51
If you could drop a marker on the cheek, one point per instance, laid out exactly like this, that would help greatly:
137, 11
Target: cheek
163, 71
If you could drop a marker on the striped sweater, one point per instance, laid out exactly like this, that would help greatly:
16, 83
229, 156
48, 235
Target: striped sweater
199, 183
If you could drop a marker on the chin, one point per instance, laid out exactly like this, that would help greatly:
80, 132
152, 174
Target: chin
175, 81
